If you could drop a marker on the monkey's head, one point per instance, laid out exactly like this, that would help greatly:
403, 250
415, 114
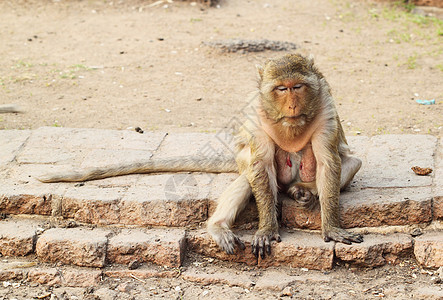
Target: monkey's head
290, 90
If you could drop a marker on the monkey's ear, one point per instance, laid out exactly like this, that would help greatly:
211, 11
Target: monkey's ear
311, 59
260, 71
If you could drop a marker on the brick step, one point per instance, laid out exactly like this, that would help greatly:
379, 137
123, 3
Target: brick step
99, 247
385, 191
150, 205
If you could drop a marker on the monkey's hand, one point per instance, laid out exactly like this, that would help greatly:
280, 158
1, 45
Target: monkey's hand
261, 241
225, 238
303, 196
341, 235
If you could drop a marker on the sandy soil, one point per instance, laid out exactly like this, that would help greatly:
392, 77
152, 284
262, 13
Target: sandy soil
123, 64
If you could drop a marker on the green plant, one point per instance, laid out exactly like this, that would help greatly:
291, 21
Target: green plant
412, 61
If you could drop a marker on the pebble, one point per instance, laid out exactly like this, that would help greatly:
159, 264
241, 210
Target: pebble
135, 264
286, 292
416, 232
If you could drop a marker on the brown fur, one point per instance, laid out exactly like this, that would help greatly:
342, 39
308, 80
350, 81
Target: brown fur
295, 110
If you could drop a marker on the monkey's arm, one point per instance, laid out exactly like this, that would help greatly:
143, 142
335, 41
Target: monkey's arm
178, 164
328, 176
261, 185
262, 178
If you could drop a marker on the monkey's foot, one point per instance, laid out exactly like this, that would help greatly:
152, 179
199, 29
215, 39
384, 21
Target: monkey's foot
225, 238
261, 242
342, 236
303, 196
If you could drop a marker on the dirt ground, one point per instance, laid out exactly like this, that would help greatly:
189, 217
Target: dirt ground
126, 64
122, 64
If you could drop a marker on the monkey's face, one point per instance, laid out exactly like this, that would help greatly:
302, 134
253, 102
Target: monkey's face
289, 89
289, 100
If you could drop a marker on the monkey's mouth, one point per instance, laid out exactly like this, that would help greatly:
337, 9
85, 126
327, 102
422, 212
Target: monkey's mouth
293, 118
293, 121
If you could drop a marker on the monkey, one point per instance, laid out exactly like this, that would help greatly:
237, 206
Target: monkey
293, 143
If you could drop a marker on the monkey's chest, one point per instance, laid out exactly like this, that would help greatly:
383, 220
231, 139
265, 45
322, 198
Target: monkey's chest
287, 166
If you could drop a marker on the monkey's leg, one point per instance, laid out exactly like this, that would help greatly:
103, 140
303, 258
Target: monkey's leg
233, 200
328, 185
349, 167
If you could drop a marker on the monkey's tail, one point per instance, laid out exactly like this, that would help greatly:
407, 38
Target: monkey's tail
178, 164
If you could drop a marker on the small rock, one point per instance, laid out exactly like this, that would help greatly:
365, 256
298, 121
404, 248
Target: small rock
287, 292
124, 287
135, 264
416, 232
138, 129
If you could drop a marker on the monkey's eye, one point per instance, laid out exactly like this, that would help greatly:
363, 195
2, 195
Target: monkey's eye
281, 88
297, 86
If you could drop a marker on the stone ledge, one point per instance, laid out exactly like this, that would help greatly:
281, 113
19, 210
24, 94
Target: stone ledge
428, 249
67, 277
164, 247
376, 250
17, 237
167, 247
298, 249
385, 191
76, 246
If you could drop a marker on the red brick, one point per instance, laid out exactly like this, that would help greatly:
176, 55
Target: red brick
93, 204
17, 237
438, 207
12, 275
300, 250
81, 278
48, 276
14, 200
201, 242
167, 200
368, 208
65, 277
376, 250
297, 249
77, 246
428, 249
15, 269
164, 247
